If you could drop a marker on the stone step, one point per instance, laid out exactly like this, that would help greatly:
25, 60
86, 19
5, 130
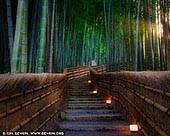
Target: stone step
92, 111
81, 87
82, 93
86, 102
81, 90
91, 116
88, 106
97, 133
94, 125
85, 92
87, 114
85, 96
85, 99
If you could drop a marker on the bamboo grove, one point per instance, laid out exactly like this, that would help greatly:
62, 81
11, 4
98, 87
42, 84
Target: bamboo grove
49, 35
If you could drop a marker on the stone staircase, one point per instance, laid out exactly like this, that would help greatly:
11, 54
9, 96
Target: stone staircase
87, 114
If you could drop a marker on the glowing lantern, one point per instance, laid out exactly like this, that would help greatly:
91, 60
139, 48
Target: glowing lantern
133, 128
109, 100
95, 91
89, 81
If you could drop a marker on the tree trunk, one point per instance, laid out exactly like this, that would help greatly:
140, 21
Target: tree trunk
56, 40
83, 47
166, 30
24, 39
113, 36
107, 32
50, 69
43, 24
63, 36
137, 37
32, 41
16, 58
89, 49
10, 26
99, 44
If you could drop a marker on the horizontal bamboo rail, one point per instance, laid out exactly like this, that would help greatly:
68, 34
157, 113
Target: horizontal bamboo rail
100, 69
149, 105
77, 72
33, 109
39, 107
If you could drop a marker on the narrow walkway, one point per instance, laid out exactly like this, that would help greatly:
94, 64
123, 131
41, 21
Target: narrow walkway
87, 114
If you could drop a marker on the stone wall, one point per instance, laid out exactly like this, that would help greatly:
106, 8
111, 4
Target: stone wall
34, 107
145, 95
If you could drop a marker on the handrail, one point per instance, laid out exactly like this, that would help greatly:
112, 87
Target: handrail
23, 105
131, 95
7, 98
77, 72
45, 101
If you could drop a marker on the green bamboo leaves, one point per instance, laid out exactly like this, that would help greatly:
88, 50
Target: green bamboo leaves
125, 34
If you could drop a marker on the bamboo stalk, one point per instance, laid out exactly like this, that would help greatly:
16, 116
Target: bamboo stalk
15, 62
43, 24
24, 39
137, 38
51, 40
10, 26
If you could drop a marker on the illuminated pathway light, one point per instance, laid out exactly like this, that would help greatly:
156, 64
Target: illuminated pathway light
133, 128
95, 91
109, 100
89, 81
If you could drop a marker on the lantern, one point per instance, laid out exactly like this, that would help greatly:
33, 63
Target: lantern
109, 100
95, 91
89, 81
133, 128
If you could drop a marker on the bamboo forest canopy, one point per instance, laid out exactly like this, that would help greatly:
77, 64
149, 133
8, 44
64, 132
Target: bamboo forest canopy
49, 35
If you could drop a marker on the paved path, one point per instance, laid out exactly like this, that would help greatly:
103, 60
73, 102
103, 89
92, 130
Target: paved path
87, 114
